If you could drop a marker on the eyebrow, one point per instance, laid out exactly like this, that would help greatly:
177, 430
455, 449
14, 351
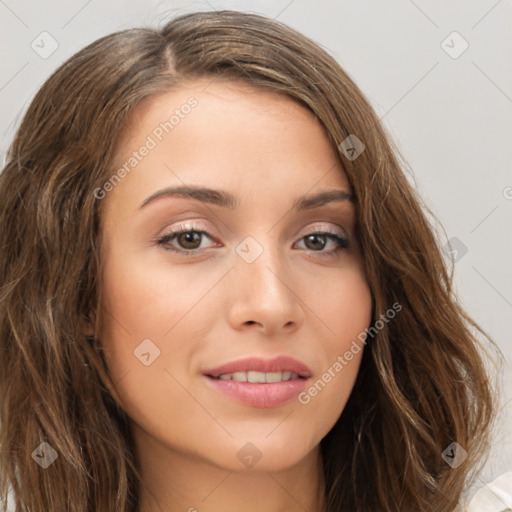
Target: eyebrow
227, 200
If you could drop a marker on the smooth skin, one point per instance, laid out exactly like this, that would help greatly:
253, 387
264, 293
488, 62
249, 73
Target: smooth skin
304, 296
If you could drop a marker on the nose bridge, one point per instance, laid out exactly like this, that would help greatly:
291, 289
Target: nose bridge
263, 288
260, 261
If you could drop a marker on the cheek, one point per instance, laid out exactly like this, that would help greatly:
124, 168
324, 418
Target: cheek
148, 313
343, 304
151, 300
344, 308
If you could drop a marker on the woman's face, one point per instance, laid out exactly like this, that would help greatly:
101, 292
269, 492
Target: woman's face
253, 282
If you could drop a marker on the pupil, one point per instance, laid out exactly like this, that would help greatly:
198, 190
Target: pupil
315, 238
190, 239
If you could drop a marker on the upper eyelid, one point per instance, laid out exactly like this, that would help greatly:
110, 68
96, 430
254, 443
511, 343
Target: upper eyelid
187, 226
191, 226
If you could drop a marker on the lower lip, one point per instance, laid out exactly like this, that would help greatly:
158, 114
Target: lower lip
272, 394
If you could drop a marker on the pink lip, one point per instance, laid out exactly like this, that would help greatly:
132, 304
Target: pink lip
257, 364
272, 394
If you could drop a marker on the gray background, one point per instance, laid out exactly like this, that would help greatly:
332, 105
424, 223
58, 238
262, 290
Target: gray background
448, 112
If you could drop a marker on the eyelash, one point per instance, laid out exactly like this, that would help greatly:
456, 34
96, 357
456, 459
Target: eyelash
341, 242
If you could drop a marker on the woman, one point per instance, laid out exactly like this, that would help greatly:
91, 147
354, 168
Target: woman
220, 292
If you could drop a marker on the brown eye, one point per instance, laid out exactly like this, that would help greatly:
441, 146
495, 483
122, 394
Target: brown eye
184, 240
315, 241
189, 239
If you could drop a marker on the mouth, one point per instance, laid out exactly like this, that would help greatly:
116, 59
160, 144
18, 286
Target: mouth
260, 370
255, 377
259, 382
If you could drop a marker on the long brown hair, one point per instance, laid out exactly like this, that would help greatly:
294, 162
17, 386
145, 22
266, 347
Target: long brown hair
422, 384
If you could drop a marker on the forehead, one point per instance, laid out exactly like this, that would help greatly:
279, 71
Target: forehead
233, 97
234, 134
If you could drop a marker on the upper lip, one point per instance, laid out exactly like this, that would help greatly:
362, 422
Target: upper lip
258, 364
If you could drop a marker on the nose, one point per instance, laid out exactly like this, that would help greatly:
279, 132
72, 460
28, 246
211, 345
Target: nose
264, 296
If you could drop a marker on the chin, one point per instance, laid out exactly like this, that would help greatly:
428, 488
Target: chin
264, 455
